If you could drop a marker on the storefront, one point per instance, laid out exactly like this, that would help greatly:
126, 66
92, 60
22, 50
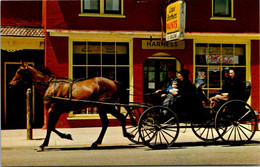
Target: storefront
143, 62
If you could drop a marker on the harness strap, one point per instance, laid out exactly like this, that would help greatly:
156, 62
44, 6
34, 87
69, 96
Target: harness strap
70, 90
48, 82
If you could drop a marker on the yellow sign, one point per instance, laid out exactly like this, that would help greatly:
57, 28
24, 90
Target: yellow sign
175, 21
158, 44
173, 17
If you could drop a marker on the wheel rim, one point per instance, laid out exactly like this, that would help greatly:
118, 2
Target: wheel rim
236, 122
158, 130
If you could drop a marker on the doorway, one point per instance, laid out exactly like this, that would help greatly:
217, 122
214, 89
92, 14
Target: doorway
14, 112
15, 100
155, 71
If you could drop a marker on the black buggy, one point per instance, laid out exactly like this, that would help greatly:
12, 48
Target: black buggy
233, 121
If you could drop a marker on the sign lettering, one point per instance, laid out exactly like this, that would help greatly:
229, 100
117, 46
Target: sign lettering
158, 44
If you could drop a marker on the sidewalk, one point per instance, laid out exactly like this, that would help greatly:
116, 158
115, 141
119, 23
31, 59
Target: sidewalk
83, 137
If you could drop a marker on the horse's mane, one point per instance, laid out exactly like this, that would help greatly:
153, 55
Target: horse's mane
44, 70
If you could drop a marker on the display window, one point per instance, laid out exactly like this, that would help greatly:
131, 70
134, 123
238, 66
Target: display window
100, 59
211, 60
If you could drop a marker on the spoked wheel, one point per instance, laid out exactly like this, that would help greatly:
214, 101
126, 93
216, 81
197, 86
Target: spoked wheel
205, 130
158, 127
132, 119
236, 122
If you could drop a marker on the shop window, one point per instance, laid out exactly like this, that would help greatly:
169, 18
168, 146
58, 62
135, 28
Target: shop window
102, 8
211, 59
100, 59
222, 10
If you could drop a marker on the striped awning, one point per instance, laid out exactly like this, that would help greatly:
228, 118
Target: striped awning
21, 31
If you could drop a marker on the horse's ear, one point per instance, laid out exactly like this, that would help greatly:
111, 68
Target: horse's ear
25, 65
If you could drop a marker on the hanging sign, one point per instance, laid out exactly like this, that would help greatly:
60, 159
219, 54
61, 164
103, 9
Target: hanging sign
175, 21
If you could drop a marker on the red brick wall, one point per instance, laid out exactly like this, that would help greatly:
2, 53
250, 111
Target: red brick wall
255, 75
21, 13
56, 55
65, 15
56, 58
140, 55
199, 13
146, 17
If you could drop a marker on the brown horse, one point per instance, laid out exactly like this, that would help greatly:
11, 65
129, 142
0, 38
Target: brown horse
96, 89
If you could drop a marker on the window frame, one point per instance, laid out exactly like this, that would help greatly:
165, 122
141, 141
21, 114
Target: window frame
231, 17
102, 11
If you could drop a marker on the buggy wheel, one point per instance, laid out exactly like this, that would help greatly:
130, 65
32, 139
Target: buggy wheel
132, 119
236, 122
158, 127
205, 130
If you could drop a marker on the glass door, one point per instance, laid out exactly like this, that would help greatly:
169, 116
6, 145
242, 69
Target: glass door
155, 73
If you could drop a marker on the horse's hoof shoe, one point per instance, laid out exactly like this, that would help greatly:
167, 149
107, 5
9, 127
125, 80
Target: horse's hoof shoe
69, 137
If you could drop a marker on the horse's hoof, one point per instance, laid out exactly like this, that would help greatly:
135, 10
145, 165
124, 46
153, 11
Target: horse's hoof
94, 145
68, 136
40, 149
129, 135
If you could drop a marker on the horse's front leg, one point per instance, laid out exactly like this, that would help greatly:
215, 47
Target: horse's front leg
53, 119
105, 122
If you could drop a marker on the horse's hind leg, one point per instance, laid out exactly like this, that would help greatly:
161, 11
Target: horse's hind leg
53, 118
121, 118
105, 122
63, 135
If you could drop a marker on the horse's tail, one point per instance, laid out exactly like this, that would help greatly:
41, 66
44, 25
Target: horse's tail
122, 92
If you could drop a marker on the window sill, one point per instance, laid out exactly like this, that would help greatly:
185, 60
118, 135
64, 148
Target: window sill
101, 15
223, 18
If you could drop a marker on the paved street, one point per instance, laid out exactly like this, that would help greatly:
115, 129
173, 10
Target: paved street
117, 150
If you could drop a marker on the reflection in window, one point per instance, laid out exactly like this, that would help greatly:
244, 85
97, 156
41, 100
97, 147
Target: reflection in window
222, 8
211, 59
93, 59
112, 6
102, 6
91, 6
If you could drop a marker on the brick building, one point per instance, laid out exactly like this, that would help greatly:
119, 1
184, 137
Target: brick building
121, 40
